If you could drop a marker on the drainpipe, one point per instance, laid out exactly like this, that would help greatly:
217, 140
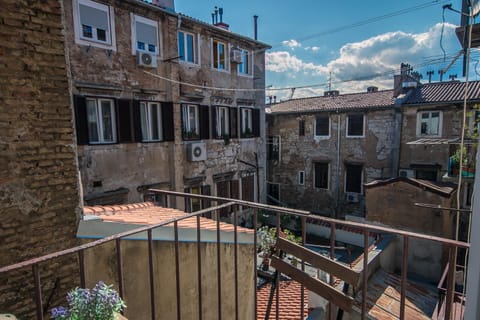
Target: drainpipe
337, 191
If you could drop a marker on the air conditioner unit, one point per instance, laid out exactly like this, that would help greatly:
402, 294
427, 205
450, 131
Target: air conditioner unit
351, 197
406, 173
197, 151
236, 55
146, 59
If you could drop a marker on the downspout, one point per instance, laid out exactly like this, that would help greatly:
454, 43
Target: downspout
337, 191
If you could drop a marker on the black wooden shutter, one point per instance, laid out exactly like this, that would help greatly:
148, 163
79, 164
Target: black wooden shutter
188, 207
167, 121
215, 133
137, 122
204, 122
124, 120
256, 122
233, 122
206, 191
234, 189
182, 121
81, 124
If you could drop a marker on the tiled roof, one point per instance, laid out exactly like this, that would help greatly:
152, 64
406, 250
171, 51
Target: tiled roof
290, 301
446, 92
383, 298
146, 213
445, 189
342, 102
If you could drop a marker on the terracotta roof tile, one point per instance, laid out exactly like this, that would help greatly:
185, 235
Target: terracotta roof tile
147, 213
290, 301
343, 102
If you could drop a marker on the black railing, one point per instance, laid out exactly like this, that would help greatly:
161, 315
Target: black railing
365, 229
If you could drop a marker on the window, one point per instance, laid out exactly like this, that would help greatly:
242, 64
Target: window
227, 189
321, 175
247, 130
301, 127
244, 67
222, 121
187, 49
353, 178
151, 121
355, 124
196, 204
219, 55
273, 148
301, 178
426, 174
93, 23
429, 123
145, 35
322, 126
273, 193
190, 121
101, 120
248, 188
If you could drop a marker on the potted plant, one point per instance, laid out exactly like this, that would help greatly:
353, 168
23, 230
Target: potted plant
100, 303
468, 166
267, 239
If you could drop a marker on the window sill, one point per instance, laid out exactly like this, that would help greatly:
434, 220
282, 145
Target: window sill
97, 44
226, 71
188, 64
355, 137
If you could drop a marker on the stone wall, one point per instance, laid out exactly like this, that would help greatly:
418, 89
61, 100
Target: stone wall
39, 189
299, 153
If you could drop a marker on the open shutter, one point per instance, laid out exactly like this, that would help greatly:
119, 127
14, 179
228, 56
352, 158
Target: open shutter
124, 116
206, 191
256, 122
214, 122
188, 207
167, 121
204, 122
137, 122
81, 126
233, 122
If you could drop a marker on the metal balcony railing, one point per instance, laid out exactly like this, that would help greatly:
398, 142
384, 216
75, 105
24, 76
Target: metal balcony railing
364, 229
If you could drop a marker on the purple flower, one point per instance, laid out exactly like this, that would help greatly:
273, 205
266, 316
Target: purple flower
59, 312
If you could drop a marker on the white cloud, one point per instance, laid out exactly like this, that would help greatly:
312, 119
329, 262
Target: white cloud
370, 62
314, 48
292, 43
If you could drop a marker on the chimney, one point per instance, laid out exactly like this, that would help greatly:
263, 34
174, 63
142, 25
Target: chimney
372, 89
405, 81
218, 13
255, 27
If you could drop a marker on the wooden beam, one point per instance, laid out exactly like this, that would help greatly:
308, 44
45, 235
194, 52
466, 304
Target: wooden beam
324, 290
326, 264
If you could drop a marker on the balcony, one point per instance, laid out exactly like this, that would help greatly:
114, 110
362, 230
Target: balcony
169, 264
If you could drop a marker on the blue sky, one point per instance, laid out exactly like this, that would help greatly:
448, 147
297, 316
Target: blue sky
312, 38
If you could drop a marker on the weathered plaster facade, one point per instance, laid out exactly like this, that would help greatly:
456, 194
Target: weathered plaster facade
39, 187
123, 169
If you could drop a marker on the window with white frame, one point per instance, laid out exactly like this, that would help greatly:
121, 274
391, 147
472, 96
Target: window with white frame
191, 128
429, 123
247, 129
187, 47
355, 125
219, 55
322, 126
222, 121
145, 35
244, 67
151, 121
273, 148
101, 120
94, 24
321, 170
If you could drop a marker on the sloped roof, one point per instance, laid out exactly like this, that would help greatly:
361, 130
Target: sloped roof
445, 189
343, 102
146, 213
444, 92
290, 301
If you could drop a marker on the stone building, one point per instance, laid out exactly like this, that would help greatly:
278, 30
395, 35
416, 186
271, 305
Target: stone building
411, 131
39, 187
323, 149
157, 105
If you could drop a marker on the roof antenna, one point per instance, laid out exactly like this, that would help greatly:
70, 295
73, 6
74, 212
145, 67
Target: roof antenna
330, 82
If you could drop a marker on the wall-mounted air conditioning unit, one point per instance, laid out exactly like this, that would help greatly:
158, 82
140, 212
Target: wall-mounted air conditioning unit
406, 173
351, 197
236, 55
197, 151
146, 59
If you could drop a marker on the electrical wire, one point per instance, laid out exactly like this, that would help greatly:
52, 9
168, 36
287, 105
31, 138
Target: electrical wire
441, 33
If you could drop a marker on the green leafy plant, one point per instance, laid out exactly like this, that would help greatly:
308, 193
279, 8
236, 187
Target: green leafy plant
100, 303
268, 237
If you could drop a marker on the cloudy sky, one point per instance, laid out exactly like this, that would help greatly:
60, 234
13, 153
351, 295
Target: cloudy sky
349, 44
